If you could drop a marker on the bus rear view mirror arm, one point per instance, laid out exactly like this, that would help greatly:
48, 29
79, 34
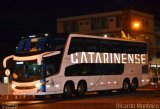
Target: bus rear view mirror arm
5, 60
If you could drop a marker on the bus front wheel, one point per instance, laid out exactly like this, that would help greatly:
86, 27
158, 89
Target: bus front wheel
68, 89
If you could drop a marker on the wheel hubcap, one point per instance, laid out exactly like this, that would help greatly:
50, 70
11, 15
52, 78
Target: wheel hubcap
68, 90
81, 89
134, 85
126, 86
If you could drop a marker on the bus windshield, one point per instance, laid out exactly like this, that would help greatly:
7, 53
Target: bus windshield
32, 45
27, 71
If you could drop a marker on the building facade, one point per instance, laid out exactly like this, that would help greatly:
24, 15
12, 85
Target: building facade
110, 23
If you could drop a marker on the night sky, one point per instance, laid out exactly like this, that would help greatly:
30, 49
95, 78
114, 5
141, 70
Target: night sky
24, 17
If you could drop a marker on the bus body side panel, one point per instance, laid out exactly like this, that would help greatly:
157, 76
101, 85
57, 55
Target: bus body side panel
104, 82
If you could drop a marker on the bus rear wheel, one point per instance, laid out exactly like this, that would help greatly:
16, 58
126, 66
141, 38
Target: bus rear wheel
68, 89
126, 86
134, 85
81, 89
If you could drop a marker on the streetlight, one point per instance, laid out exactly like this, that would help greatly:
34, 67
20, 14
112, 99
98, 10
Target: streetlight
136, 25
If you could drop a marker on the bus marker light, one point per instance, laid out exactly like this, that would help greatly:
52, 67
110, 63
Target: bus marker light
18, 63
109, 82
57, 85
91, 84
48, 86
115, 82
46, 34
152, 83
31, 36
147, 80
101, 83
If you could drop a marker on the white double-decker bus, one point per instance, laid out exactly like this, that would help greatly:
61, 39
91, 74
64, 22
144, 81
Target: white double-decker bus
75, 64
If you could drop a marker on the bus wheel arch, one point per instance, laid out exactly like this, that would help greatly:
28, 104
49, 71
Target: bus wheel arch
134, 84
69, 88
81, 88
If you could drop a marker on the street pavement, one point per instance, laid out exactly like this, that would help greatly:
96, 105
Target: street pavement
144, 98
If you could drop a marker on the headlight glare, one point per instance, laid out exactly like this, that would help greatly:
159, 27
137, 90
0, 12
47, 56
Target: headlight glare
13, 86
37, 85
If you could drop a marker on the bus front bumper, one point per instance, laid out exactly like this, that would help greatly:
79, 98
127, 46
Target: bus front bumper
30, 92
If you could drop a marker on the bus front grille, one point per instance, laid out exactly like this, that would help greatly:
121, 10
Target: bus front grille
25, 87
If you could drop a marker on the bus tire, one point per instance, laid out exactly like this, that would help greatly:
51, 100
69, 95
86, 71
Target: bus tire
81, 88
134, 85
126, 86
68, 89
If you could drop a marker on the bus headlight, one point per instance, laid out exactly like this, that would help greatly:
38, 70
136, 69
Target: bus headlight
13, 86
38, 85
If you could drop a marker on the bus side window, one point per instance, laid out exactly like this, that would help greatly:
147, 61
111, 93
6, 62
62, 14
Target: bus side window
91, 45
49, 69
52, 64
84, 70
76, 45
105, 46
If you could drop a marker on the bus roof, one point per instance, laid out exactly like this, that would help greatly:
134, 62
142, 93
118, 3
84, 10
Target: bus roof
66, 35
105, 38
46, 35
